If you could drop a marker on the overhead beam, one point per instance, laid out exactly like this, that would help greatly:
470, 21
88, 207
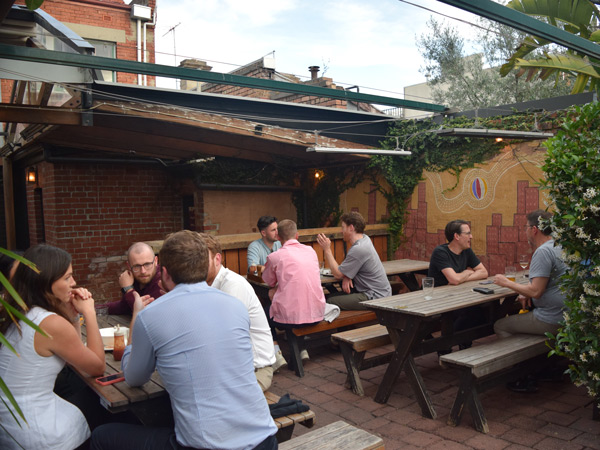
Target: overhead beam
121, 65
527, 24
34, 114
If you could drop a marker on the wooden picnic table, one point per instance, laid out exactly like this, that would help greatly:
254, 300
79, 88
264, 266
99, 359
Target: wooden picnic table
410, 320
148, 402
120, 397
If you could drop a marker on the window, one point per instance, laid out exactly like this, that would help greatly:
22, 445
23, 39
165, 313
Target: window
107, 50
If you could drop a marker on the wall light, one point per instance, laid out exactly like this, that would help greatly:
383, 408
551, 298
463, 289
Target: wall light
32, 175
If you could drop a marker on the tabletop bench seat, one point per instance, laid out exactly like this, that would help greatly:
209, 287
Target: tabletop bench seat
286, 424
335, 436
485, 366
354, 344
345, 319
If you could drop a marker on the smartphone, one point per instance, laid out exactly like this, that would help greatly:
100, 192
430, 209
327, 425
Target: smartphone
110, 379
483, 290
487, 282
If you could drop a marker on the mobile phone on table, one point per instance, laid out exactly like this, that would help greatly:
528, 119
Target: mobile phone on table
483, 290
110, 379
487, 282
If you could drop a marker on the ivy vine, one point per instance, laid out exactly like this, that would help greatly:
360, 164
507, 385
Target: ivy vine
434, 153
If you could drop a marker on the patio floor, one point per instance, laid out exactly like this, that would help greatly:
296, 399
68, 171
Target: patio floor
558, 416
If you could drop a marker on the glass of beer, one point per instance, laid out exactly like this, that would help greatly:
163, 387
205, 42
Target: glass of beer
511, 273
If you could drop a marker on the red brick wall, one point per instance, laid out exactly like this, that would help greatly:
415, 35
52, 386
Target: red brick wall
96, 212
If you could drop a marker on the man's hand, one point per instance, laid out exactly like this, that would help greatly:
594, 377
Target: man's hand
126, 279
324, 241
140, 302
524, 301
501, 280
347, 285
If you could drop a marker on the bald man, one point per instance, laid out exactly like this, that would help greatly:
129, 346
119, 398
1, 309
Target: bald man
142, 276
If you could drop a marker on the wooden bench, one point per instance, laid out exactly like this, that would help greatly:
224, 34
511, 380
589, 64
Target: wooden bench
487, 365
345, 319
335, 436
286, 424
354, 344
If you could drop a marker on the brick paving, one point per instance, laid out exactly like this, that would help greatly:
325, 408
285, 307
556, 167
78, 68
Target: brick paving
558, 416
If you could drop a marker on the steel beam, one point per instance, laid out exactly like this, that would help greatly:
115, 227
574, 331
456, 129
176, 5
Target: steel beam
120, 65
527, 24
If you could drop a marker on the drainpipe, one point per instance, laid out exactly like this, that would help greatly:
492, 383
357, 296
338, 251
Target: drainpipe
139, 47
140, 13
153, 23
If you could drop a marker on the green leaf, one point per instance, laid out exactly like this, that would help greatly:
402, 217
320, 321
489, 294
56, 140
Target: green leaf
19, 258
15, 312
33, 4
12, 401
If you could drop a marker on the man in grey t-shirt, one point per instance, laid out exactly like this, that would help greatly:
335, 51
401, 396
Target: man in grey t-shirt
543, 290
362, 274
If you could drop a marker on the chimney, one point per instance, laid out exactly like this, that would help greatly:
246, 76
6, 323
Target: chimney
314, 72
189, 85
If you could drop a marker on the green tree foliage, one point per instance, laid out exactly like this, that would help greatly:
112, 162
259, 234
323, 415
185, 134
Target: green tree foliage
573, 183
577, 17
469, 81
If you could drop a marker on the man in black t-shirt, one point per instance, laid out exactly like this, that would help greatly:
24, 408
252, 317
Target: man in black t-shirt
454, 263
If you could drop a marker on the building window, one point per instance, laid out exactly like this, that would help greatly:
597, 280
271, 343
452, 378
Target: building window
108, 50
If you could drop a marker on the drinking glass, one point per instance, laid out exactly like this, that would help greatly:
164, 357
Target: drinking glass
523, 261
511, 273
428, 284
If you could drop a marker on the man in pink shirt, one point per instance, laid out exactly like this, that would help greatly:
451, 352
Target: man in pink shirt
293, 273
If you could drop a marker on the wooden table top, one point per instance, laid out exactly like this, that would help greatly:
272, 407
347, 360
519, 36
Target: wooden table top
119, 396
398, 266
445, 299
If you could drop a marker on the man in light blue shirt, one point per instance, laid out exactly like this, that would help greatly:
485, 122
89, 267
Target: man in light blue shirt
198, 339
268, 243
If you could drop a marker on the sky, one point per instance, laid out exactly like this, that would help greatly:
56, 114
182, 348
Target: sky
355, 42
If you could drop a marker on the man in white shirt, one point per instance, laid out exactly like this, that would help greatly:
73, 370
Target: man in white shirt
235, 285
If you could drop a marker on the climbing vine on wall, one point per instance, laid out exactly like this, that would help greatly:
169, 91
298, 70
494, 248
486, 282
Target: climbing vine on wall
434, 153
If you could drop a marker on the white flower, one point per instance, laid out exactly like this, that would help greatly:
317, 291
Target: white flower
583, 357
590, 193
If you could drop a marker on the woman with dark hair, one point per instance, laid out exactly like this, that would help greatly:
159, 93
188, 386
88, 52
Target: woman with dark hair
54, 305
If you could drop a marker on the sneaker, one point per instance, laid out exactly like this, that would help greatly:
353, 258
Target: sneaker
304, 355
279, 362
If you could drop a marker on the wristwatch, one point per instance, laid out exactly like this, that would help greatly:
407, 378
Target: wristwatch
126, 288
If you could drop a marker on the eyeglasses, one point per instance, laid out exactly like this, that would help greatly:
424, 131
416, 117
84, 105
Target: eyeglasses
138, 267
468, 233
529, 226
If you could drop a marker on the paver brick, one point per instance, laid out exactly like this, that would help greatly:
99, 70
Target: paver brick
551, 443
421, 439
560, 432
557, 418
486, 442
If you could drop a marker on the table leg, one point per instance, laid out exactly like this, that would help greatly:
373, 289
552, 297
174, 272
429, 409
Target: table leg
418, 386
410, 281
403, 341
